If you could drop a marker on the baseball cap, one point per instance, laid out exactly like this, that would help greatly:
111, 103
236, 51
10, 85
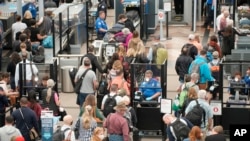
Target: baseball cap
215, 54
191, 36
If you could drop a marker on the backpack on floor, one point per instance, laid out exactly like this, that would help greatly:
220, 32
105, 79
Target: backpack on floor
109, 105
196, 114
181, 130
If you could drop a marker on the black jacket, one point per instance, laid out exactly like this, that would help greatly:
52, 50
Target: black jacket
94, 63
182, 65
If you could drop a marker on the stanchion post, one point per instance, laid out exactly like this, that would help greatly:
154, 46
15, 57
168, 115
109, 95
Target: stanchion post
167, 25
87, 24
167, 9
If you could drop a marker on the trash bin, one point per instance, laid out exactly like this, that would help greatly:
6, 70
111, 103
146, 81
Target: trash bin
66, 82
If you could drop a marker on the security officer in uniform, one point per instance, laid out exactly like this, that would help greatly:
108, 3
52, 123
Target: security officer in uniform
101, 26
102, 6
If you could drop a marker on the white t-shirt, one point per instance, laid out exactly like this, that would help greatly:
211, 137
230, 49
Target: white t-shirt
16, 27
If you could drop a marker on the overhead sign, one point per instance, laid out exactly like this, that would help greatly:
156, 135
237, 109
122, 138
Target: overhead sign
216, 107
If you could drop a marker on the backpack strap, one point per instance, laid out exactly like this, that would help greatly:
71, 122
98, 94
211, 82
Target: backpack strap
69, 135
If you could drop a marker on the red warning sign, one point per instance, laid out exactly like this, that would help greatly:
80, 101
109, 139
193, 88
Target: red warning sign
160, 15
216, 109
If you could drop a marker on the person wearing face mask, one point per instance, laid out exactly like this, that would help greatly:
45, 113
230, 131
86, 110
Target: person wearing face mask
98, 134
150, 88
237, 79
67, 123
247, 77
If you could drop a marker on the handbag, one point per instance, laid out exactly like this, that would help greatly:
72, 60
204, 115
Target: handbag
62, 113
32, 132
76, 128
78, 84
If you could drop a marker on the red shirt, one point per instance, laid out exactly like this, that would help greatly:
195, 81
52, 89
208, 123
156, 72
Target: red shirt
117, 124
36, 108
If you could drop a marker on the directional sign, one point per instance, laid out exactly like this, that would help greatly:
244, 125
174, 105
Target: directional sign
47, 128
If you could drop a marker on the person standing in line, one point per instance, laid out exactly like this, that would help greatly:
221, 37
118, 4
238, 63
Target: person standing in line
17, 26
89, 83
117, 125
29, 68
8, 131
3, 105
25, 119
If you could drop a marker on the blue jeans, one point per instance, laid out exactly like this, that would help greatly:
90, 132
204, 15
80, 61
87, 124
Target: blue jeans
114, 137
12, 83
81, 98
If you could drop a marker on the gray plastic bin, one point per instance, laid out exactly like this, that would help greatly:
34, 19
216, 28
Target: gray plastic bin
66, 84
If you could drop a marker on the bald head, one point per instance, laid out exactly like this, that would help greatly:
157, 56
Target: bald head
68, 120
167, 118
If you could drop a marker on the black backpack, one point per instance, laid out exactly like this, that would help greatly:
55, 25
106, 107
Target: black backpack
196, 114
59, 134
109, 105
103, 87
181, 130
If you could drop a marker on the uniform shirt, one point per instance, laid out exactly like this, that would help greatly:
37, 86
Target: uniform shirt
149, 88
100, 23
28, 71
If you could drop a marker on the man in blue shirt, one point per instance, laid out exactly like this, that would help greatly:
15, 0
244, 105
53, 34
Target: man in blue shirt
150, 88
101, 26
210, 15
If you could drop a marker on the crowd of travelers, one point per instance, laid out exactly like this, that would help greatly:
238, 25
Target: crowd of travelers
113, 114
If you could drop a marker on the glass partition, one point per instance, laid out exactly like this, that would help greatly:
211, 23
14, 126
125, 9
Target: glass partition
148, 79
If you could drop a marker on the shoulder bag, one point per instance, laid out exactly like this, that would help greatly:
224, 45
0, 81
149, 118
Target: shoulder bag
78, 84
32, 132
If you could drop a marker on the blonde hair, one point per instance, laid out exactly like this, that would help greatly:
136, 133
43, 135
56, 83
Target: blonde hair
96, 132
50, 85
87, 117
140, 48
121, 50
130, 52
90, 100
27, 15
117, 65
